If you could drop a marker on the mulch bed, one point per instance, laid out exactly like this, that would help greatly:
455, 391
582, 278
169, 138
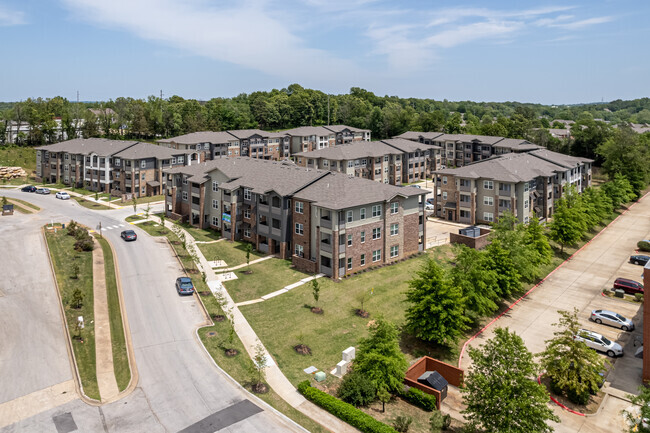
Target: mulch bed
218, 317
231, 352
361, 313
316, 310
260, 388
590, 408
302, 349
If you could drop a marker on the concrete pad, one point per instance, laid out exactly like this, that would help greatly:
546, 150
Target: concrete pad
36, 402
274, 294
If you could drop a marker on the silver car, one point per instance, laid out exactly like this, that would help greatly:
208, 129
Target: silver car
598, 342
611, 318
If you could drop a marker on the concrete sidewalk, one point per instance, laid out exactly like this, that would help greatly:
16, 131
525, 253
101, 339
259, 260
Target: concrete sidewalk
274, 376
103, 343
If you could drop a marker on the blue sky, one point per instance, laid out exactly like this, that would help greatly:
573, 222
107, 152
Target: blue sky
547, 52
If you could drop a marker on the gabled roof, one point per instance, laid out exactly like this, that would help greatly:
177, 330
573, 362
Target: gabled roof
360, 149
214, 137
415, 135
197, 173
340, 128
148, 150
517, 144
99, 146
466, 138
304, 131
408, 145
566, 161
338, 191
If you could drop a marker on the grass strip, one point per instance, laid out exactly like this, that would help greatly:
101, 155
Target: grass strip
25, 203
120, 356
65, 261
91, 204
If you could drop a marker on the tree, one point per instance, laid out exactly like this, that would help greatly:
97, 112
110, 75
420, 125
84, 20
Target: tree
249, 249
4, 200
315, 290
500, 262
75, 271
77, 299
634, 417
357, 389
565, 227
134, 203
626, 153
477, 282
384, 397
523, 255
162, 221
260, 362
147, 211
569, 363
437, 309
537, 239
499, 392
380, 358
619, 190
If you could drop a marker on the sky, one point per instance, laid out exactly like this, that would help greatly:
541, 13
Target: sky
561, 52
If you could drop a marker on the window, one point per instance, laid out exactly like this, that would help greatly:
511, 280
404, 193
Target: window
363, 236
299, 207
173, 160
215, 186
488, 184
215, 204
376, 210
247, 232
376, 255
184, 195
299, 250
444, 195
142, 177
181, 159
184, 180
376, 233
464, 214
247, 194
488, 216
394, 251
394, 229
525, 204
362, 261
215, 221
350, 164
299, 229
444, 180
488, 201
247, 213
349, 216
349, 263
394, 207
117, 162
349, 240
143, 164
326, 163
362, 213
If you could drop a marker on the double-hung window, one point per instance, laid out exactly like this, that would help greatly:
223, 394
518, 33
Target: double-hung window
376, 255
394, 207
394, 251
394, 229
376, 233
300, 229
247, 194
299, 207
376, 210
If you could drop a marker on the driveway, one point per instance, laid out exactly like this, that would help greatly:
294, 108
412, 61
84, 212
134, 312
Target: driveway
179, 388
578, 284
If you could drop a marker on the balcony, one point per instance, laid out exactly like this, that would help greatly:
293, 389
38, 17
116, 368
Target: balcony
341, 248
505, 192
465, 204
466, 188
505, 208
326, 245
326, 270
263, 208
263, 229
276, 232
326, 223
263, 248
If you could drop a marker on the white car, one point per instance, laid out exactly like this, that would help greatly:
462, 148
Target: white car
598, 342
63, 195
428, 206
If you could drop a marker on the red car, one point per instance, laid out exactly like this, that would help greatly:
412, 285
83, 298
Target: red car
629, 286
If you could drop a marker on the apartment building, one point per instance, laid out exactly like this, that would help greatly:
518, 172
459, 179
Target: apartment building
257, 201
458, 150
206, 145
120, 168
393, 161
310, 138
525, 184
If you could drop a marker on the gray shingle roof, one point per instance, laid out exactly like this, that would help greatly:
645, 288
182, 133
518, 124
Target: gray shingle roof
215, 137
148, 150
196, 172
415, 135
561, 159
517, 144
339, 128
338, 191
466, 138
100, 146
408, 145
308, 130
356, 150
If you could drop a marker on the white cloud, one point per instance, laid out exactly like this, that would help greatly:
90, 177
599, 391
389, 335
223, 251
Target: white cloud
577, 25
242, 33
10, 17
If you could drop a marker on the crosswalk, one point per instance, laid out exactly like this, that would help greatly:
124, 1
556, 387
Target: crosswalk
112, 227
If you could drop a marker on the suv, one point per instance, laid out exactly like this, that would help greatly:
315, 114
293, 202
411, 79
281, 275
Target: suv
598, 342
629, 286
28, 188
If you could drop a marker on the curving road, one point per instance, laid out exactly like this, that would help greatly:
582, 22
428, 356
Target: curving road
179, 388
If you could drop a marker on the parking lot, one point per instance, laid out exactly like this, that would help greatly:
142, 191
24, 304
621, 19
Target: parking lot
579, 284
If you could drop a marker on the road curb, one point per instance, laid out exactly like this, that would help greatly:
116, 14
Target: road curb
462, 351
71, 356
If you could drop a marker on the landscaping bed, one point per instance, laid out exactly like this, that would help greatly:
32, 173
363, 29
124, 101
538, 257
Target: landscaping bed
91, 204
590, 408
64, 258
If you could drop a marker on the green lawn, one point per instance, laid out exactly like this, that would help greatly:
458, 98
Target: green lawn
17, 206
120, 356
154, 229
25, 203
233, 253
64, 257
149, 199
202, 235
284, 321
132, 218
18, 156
266, 277
91, 204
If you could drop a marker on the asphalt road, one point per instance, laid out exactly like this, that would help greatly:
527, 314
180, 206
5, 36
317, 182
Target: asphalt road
179, 387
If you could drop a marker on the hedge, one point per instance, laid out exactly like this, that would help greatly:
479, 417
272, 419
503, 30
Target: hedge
343, 410
643, 245
420, 399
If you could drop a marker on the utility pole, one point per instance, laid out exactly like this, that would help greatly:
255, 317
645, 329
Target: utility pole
328, 109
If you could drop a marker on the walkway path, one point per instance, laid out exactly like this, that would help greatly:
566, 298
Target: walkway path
274, 376
281, 291
243, 265
103, 345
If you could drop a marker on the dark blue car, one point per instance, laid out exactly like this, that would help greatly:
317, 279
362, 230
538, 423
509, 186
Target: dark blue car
184, 286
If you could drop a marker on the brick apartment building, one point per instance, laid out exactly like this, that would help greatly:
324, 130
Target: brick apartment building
283, 209
525, 184
458, 150
393, 161
309, 138
119, 168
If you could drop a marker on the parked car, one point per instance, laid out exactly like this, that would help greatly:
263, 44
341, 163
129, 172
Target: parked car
629, 286
28, 188
417, 186
611, 318
62, 195
430, 200
129, 235
42, 191
184, 286
639, 259
599, 343
428, 206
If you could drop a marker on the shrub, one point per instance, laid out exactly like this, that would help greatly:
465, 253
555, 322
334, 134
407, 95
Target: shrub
439, 422
343, 410
420, 399
638, 297
556, 389
402, 423
357, 389
577, 398
643, 245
